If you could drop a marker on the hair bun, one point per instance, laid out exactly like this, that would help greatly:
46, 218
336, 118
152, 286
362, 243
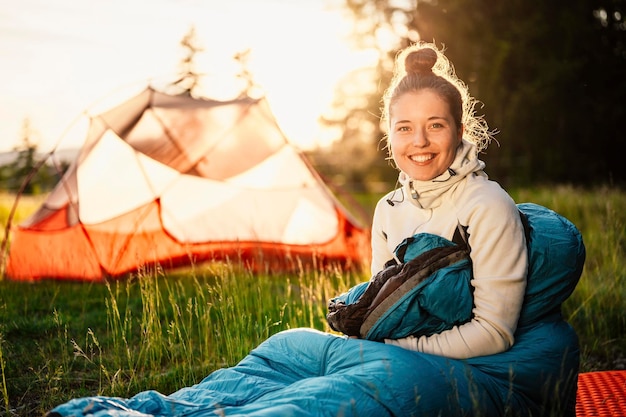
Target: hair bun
421, 61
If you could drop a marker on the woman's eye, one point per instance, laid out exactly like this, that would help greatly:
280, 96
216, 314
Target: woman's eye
403, 129
436, 126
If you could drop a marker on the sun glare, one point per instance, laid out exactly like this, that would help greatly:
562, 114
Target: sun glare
71, 55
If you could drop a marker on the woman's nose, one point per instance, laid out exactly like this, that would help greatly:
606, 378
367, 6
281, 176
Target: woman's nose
419, 138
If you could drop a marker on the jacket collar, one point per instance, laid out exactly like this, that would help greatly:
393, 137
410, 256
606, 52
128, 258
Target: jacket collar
428, 194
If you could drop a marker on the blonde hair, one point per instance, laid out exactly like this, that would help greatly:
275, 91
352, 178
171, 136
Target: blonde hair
424, 66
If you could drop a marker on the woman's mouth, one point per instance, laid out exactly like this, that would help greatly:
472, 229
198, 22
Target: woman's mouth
421, 158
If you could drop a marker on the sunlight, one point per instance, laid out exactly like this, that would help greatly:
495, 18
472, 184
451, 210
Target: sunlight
71, 56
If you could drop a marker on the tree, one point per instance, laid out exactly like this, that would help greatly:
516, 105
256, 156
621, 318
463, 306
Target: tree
358, 159
189, 76
540, 68
29, 173
25, 164
550, 75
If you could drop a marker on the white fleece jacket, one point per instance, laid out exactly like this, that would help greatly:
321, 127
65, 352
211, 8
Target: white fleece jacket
464, 195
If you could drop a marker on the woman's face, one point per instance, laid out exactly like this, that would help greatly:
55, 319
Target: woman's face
423, 135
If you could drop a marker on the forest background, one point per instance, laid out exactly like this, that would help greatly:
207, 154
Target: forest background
550, 77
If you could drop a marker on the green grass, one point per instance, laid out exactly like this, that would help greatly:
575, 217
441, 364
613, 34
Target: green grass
62, 340
165, 330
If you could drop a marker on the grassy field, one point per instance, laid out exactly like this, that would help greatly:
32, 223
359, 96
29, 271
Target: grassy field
164, 330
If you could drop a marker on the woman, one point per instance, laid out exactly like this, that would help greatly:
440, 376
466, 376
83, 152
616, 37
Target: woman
433, 140
513, 355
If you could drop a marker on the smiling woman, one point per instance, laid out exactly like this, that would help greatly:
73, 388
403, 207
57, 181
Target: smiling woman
70, 54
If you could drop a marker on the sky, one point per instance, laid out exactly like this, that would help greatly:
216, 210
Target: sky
63, 59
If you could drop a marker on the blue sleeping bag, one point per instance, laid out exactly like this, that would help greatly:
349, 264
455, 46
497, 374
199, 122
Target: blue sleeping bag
304, 372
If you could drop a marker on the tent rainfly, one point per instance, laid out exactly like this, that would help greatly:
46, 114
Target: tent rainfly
172, 180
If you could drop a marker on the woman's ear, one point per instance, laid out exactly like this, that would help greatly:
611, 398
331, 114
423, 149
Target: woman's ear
460, 133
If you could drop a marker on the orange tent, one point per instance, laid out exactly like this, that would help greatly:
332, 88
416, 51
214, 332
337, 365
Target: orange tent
171, 180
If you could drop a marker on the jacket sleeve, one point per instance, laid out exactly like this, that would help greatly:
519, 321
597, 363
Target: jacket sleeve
500, 262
